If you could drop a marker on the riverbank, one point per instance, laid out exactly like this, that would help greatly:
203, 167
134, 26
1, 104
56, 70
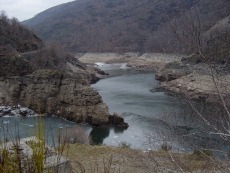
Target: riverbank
183, 74
137, 61
196, 80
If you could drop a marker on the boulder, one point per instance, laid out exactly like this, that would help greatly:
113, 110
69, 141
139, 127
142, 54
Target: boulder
117, 120
16, 111
171, 74
173, 71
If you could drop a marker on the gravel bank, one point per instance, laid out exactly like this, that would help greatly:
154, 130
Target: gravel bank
143, 62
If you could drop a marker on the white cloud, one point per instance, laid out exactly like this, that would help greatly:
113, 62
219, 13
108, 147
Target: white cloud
26, 9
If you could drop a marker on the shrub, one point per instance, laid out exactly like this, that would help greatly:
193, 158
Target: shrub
166, 147
124, 145
202, 153
28, 155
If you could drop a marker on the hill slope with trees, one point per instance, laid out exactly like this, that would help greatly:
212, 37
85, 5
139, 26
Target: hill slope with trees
42, 78
123, 25
14, 37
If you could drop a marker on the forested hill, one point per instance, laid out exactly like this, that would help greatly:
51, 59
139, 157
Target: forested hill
14, 37
126, 25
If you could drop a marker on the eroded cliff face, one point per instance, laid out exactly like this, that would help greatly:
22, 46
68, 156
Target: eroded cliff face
45, 79
53, 93
65, 93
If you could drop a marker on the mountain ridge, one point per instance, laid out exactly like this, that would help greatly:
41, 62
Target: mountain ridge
122, 25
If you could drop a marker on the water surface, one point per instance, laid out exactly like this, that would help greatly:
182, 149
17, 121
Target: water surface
154, 118
129, 93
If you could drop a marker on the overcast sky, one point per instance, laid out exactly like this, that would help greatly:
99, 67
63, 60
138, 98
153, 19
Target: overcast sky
26, 9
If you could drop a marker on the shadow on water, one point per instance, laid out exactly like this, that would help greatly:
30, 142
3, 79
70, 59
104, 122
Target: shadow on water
119, 130
98, 134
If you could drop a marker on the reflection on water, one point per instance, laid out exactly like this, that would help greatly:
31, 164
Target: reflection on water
154, 117
128, 93
11, 127
98, 134
119, 130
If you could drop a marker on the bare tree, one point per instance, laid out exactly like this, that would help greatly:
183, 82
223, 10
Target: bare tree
206, 127
214, 117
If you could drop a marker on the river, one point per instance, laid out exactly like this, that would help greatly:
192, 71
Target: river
154, 117
131, 94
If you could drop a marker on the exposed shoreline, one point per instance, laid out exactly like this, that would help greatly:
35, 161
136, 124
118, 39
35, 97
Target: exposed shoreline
137, 61
177, 73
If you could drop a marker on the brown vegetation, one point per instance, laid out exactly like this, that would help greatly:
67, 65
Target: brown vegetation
207, 127
123, 25
14, 37
104, 159
48, 80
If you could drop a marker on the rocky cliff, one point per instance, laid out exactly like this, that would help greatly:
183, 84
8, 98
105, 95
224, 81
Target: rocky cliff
65, 93
51, 91
48, 91
46, 79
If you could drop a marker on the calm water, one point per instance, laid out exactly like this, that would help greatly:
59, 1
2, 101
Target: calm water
129, 93
27, 126
153, 117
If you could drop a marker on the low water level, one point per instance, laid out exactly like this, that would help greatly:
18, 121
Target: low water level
129, 94
150, 115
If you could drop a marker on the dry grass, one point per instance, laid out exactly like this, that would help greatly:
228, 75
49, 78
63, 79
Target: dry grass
95, 159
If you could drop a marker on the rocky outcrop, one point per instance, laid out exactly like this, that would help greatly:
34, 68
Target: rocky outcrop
194, 79
49, 91
200, 87
195, 82
173, 71
62, 88
45, 79
52, 91
115, 119
171, 74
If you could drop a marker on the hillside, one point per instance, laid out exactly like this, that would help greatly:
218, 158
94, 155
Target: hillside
46, 79
14, 37
123, 25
